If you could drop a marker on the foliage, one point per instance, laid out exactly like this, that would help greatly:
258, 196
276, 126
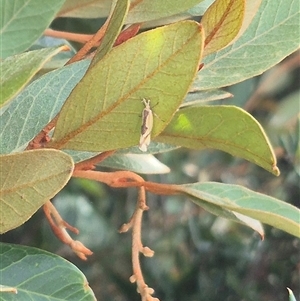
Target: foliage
87, 112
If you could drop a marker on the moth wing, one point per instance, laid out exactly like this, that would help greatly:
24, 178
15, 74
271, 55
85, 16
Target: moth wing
143, 147
144, 142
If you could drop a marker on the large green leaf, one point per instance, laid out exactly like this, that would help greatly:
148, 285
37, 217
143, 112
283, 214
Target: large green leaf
272, 35
23, 22
236, 198
104, 110
27, 181
36, 105
18, 70
40, 275
226, 128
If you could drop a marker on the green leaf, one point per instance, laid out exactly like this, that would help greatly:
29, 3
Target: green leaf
40, 275
113, 29
146, 10
23, 22
251, 223
272, 35
236, 198
104, 110
222, 22
211, 204
144, 164
227, 128
291, 295
18, 70
28, 180
36, 105
199, 97
250, 6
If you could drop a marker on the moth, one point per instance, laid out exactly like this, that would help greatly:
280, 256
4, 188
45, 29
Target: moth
147, 125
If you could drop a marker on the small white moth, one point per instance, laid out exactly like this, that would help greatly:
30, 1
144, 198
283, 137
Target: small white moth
147, 125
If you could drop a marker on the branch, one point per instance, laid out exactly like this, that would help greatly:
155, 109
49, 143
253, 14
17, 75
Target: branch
124, 179
76, 37
137, 247
42, 137
130, 179
59, 226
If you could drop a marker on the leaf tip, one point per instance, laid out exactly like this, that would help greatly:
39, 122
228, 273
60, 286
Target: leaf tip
275, 170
